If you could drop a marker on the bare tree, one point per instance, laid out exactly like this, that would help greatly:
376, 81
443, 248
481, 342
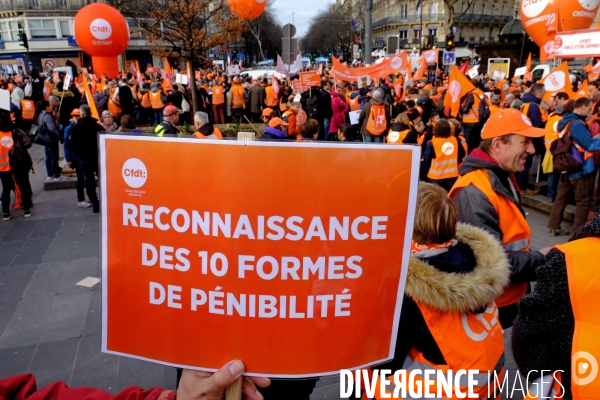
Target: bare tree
451, 14
183, 29
330, 30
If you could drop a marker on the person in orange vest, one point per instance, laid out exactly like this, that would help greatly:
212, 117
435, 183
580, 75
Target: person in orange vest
443, 154
472, 121
271, 97
146, 104
218, 103
375, 118
487, 196
237, 102
581, 179
552, 134
354, 99
556, 327
204, 129
158, 100
495, 107
442, 329
11, 171
28, 110
400, 131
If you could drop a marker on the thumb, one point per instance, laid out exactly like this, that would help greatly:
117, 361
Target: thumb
225, 376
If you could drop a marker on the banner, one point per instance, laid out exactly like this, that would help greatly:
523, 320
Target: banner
577, 44
292, 288
389, 66
310, 79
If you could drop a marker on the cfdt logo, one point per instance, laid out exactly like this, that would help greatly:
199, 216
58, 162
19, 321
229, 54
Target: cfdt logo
584, 368
134, 173
100, 29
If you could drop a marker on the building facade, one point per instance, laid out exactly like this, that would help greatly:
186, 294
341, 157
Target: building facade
398, 24
48, 25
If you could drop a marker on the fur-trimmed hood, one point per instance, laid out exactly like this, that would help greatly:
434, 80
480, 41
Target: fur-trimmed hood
462, 292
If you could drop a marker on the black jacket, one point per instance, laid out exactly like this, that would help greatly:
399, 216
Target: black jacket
325, 110
542, 336
84, 139
428, 106
477, 264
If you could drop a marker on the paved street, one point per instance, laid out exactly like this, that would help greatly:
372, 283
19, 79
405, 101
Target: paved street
51, 327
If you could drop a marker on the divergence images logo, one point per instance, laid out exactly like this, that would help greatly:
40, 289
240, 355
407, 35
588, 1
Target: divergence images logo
100, 29
134, 173
584, 368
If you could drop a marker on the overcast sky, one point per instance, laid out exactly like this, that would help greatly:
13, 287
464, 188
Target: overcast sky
303, 11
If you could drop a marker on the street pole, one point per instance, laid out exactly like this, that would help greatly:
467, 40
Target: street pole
368, 41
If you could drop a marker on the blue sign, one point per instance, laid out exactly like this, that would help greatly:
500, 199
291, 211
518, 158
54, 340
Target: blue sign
379, 39
71, 41
449, 58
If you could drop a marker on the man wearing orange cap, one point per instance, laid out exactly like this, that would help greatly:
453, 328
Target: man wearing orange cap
487, 196
277, 129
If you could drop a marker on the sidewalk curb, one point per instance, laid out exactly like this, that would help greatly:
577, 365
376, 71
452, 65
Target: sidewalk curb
541, 203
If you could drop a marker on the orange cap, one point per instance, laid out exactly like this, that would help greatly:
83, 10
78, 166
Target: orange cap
428, 86
276, 122
267, 112
507, 121
440, 90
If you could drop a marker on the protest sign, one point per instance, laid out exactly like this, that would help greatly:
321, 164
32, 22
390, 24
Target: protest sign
520, 71
354, 117
233, 70
364, 81
577, 44
296, 85
309, 79
4, 100
473, 72
293, 288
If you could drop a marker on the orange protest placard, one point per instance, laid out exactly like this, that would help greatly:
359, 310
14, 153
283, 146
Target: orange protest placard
309, 79
292, 288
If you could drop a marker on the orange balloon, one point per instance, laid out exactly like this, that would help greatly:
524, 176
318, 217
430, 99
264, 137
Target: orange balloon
101, 30
247, 9
572, 14
105, 65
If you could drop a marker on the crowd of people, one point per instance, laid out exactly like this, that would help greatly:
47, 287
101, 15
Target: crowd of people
470, 227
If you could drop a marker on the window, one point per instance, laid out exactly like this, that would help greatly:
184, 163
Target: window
417, 32
135, 32
65, 28
483, 9
502, 10
15, 29
403, 34
42, 28
462, 7
433, 31
4, 33
433, 9
404, 11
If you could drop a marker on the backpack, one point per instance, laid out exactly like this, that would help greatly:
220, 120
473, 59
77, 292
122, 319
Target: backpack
312, 107
484, 109
19, 157
565, 156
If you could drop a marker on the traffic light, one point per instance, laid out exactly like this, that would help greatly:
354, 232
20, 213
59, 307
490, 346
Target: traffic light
360, 49
23, 37
450, 42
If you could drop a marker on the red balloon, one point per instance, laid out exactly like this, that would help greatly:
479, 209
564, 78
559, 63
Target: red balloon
247, 9
102, 32
572, 15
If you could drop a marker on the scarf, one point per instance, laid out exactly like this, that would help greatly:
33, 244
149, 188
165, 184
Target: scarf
416, 248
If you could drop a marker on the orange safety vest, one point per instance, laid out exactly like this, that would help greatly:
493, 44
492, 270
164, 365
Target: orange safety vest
525, 110
445, 163
395, 137
421, 138
216, 132
354, 103
584, 289
472, 117
516, 235
237, 97
467, 341
218, 96
463, 142
28, 107
377, 122
6, 144
114, 107
155, 100
271, 97
552, 129
146, 102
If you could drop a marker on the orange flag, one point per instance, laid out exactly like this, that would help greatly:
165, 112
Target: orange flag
90, 98
458, 86
557, 81
583, 91
409, 69
168, 69
47, 90
421, 69
528, 76
501, 87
